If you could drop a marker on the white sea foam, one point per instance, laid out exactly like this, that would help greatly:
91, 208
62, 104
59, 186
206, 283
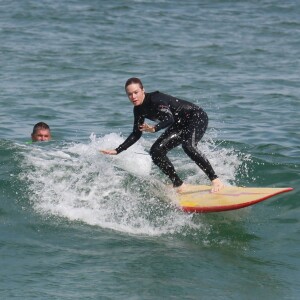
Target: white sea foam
123, 192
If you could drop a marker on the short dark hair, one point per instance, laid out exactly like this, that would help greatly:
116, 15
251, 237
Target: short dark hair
40, 125
134, 80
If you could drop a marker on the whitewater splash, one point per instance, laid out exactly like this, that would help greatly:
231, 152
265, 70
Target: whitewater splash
123, 192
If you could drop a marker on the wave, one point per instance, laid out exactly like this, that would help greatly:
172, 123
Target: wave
124, 192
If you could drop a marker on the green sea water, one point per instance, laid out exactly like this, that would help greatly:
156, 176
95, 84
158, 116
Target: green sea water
75, 224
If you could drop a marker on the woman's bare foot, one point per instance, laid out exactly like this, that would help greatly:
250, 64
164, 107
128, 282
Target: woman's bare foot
181, 188
217, 185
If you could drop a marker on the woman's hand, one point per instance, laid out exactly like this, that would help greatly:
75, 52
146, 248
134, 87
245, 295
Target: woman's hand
147, 128
110, 152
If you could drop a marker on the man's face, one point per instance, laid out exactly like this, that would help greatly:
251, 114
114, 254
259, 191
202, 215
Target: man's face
41, 135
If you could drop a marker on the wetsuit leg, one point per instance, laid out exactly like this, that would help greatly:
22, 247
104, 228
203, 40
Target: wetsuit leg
192, 134
170, 139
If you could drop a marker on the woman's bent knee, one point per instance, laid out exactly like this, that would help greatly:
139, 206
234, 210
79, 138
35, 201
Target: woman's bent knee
155, 153
189, 148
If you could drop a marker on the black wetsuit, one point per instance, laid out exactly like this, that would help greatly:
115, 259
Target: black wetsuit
186, 124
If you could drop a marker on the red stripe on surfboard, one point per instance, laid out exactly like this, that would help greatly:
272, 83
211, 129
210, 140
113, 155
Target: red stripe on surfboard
200, 209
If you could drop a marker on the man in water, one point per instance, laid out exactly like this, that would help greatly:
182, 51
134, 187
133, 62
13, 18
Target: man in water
41, 132
185, 125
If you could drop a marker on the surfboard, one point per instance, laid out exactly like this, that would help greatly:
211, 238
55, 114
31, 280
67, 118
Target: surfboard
199, 199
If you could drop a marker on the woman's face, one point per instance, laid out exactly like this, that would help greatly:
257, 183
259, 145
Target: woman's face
135, 94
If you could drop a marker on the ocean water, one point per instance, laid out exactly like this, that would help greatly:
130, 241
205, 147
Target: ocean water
75, 224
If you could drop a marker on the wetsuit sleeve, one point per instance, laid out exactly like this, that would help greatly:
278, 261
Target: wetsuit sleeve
165, 116
167, 119
134, 136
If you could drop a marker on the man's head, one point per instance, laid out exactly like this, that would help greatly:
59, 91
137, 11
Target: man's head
41, 132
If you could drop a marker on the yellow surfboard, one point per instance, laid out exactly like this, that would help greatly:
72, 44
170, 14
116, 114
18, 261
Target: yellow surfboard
198, 198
